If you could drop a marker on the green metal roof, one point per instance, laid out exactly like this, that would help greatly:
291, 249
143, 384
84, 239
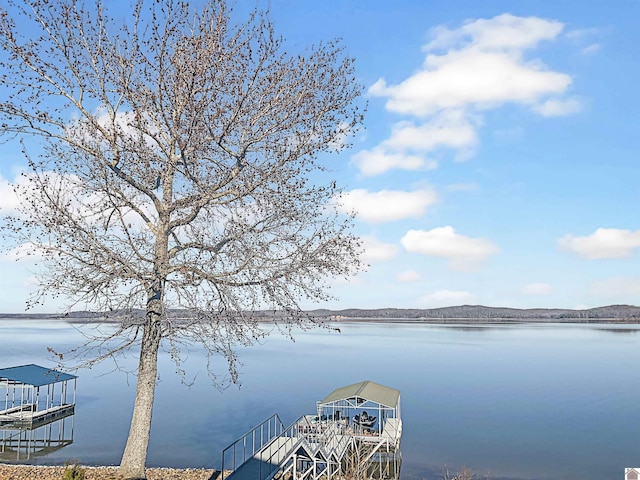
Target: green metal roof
375, 392
34, 375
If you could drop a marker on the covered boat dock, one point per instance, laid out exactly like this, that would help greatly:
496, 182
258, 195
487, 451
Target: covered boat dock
31, 397
355, 433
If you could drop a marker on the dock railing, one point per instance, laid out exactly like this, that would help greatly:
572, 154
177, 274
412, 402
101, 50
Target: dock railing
273, 455
251, 443
270, 441
335, 440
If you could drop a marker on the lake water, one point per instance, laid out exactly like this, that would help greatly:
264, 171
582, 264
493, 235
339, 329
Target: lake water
527, 401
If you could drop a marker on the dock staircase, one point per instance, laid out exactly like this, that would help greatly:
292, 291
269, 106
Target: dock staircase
271, 450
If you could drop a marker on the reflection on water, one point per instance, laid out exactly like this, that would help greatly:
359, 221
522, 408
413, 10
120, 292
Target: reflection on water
533, 401
620, 330
29, 444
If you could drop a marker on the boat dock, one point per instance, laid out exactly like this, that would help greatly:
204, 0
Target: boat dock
355, 432
32, 397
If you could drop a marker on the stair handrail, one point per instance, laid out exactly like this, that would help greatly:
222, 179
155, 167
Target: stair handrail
274, 429
315, 435
301, 428
328, 434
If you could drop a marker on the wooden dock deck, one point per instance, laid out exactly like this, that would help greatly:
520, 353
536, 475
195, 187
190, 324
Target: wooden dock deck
21, 418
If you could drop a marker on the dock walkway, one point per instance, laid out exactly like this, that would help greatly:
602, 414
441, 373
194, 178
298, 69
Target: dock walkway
267, 461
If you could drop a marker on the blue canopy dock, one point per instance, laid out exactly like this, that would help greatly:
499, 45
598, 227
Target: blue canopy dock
31, 397
25, 404
355, 433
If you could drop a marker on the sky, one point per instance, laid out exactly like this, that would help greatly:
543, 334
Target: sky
498, 160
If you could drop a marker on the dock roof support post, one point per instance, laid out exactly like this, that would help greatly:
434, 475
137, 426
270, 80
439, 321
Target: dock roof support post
295, 466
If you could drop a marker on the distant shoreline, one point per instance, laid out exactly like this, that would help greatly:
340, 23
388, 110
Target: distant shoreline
489, 321
464, 314
457, 314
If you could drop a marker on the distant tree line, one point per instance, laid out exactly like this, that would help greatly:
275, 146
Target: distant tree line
618, 313
612, 312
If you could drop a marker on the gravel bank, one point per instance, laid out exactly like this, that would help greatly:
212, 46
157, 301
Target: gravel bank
30, 472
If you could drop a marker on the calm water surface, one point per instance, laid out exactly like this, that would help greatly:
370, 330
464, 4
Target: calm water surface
529, 401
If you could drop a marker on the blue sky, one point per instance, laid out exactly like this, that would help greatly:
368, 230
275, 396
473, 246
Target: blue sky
498, 163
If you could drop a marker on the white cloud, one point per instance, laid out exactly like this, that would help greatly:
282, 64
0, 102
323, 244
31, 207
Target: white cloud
446, 298
537, 289
479, 66
592, 49
462, 252
603, 243
500, 32
482, 66
89, 205
471, 78
451, 129
585, 38
386, 205
343, 132
122, 125
380, 160
8, 198
23, 252
558, 107
408, 276
377, 251
583, 33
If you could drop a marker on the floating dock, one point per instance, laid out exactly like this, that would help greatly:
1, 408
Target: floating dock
32, 397
355, 433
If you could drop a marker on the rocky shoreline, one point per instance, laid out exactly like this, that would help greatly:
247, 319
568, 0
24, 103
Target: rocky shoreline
39, 472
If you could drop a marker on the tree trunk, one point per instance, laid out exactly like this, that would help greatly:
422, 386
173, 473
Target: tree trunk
134, 458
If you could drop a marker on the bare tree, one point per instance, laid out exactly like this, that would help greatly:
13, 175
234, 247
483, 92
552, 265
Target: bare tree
177, 166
